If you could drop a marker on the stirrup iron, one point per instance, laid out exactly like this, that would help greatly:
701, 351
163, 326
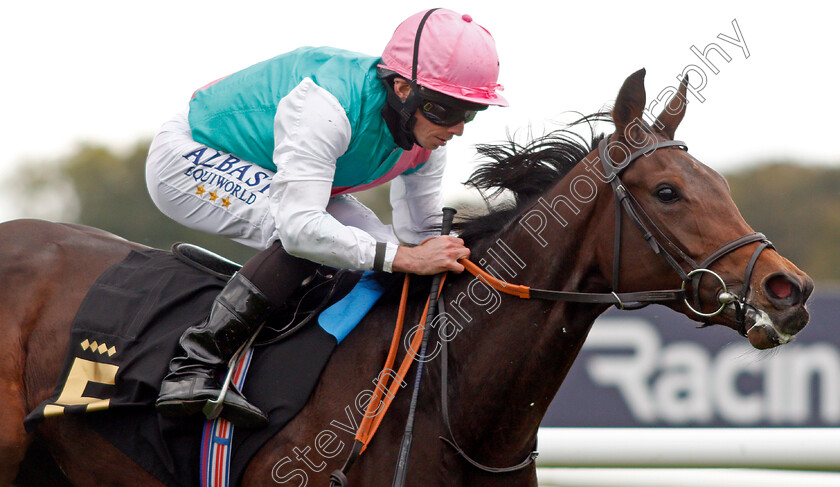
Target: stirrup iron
213, 407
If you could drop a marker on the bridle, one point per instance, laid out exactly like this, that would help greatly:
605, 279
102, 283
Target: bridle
664, 247
661, 245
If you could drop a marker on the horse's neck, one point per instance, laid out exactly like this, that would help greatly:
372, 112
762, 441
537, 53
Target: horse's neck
513, 354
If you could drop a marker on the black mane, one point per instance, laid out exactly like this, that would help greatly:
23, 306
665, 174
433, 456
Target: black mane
524, 172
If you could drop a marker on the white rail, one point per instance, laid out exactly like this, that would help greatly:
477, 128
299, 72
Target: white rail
669, 477
689, 457
771, 448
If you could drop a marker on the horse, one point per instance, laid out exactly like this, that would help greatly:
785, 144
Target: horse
561, 234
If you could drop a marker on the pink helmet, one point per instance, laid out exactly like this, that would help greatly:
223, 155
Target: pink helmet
454, 56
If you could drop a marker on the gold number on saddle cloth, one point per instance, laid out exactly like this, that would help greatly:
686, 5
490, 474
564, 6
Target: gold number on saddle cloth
81, 373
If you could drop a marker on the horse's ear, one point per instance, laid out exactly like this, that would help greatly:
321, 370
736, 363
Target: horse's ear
630, 101
672, 115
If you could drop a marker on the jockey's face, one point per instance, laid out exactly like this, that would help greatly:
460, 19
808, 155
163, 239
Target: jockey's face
431, 136
428, 135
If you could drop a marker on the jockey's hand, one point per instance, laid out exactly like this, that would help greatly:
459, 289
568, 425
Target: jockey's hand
433, 256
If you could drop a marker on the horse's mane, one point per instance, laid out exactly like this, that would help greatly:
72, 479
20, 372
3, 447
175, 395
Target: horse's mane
524, 172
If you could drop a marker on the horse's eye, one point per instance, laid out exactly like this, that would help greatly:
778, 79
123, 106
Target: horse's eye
667, 194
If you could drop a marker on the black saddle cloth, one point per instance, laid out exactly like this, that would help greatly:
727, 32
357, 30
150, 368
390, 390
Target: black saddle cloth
122, 339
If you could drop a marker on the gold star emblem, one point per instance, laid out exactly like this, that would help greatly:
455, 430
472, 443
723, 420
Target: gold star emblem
225, 202
213, 195
199, 190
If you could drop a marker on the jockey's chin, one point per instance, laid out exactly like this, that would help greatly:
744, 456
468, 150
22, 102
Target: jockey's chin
430, 136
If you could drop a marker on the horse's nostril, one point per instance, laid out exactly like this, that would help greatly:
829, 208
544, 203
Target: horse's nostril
783, 290
780, 287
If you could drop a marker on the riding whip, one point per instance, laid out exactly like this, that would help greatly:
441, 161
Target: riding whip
405, 446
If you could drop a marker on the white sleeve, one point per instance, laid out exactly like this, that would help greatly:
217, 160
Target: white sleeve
416, 200
311, 131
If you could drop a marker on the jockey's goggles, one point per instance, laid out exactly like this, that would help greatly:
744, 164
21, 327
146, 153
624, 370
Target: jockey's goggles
446, 116
444, 110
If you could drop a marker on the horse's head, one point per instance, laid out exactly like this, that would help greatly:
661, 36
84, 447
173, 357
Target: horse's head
692, 222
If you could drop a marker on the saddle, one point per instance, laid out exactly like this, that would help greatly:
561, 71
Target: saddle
321, 290
126, 332
205, 260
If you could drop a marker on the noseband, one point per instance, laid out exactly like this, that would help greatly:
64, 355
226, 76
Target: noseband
661, 245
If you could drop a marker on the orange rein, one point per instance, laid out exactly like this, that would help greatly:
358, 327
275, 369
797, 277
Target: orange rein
378, 405
517, 290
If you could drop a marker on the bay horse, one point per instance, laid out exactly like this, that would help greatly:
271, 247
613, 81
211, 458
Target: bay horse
507, 356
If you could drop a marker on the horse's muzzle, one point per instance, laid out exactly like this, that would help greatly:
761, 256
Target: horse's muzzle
778, 312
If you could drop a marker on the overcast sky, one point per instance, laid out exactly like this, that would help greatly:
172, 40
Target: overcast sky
111, 72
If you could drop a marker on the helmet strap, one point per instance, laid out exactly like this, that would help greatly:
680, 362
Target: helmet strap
399, 116
408, 109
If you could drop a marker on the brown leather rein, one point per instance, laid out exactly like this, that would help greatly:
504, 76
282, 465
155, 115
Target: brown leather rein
659, 243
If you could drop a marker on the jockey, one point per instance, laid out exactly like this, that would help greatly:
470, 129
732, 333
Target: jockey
268, 156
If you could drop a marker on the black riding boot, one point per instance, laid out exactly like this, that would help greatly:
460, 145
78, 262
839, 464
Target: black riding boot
236, 314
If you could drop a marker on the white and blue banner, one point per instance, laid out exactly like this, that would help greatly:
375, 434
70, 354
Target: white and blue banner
652, 367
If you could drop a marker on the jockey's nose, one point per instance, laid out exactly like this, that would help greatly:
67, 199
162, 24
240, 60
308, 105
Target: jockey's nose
457, 129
